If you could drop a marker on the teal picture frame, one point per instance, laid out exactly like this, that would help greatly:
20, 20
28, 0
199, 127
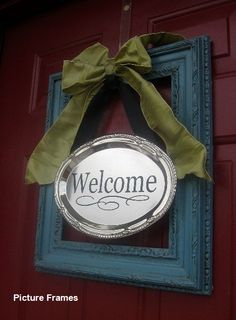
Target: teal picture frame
186, 265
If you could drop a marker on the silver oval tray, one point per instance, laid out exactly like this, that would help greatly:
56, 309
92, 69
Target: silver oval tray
115, 185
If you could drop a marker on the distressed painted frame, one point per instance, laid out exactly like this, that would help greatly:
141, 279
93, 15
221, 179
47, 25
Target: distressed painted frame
186, 264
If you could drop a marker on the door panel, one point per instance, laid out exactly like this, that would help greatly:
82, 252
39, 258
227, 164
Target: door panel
192, 18
34, 48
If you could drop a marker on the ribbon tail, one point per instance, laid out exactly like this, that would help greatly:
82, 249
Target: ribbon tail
187, 153
55, 145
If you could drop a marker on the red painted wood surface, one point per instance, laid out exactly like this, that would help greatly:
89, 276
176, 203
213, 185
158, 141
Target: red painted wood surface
34, 48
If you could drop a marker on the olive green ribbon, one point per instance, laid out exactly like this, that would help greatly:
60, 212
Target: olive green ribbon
84, 76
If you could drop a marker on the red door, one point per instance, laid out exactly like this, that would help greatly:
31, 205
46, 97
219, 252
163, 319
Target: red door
34, 47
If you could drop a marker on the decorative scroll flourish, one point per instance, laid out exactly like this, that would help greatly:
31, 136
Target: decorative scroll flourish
109, 205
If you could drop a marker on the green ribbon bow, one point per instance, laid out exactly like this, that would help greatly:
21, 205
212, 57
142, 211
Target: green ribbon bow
84, 76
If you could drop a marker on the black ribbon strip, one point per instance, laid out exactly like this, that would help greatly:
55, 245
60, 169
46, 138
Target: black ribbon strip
113, 85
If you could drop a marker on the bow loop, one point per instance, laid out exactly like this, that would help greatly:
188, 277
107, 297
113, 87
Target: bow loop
133, 54
85, 70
